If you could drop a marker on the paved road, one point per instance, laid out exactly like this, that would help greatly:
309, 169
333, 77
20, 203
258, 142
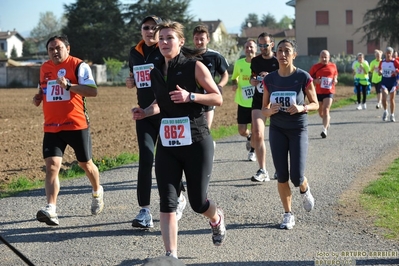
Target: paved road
357, 141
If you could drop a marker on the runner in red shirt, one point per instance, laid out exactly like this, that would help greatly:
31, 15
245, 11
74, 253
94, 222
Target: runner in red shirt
325, 77
65, 81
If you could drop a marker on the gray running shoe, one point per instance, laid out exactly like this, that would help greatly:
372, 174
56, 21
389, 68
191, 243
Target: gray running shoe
97, 202
393, 118
385, 116
288, 221
143, 219
248, 144
219, 231
275, 175
48, 216
181, 204
260, 176
307, 200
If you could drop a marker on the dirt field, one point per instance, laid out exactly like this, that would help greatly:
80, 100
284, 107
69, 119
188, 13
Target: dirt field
112, 128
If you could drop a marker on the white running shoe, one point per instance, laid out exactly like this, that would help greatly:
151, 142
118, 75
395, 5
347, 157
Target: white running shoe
181, 204
385, 115
170, 254
97, 202
48, 215
393, 118
251, 156
359, 107
307, 200
260, 176
364, 106
143, 219
288, 221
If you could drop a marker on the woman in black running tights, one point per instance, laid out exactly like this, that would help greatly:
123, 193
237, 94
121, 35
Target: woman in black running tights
185, 144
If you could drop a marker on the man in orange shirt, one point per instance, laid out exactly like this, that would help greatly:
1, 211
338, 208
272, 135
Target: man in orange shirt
65, 81
325, 77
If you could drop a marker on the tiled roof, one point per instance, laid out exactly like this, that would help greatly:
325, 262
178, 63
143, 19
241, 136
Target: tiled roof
7, 34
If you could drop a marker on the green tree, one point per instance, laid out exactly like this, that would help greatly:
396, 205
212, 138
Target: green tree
14, 52
251, 20
175, 10
47, 26
114, 66
96, 30
382, 22
286, 23
268, 21
29, 47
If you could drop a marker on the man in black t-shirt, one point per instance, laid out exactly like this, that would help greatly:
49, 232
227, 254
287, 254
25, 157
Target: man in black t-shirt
261, 65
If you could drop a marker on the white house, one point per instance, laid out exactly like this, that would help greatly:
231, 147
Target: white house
10, 40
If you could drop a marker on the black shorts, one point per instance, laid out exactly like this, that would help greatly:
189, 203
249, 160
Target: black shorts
54, 144
257, 100
244, 115
377, 87
321, 97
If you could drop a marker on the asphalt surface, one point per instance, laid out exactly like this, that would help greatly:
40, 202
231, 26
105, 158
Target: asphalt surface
357, 140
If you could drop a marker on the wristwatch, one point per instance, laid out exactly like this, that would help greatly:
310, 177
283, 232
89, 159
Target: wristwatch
192, 97
68, 85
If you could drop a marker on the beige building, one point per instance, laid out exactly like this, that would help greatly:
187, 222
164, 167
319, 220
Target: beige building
216, 28
332, 25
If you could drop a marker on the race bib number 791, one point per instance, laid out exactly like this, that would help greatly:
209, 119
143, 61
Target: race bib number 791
55, 93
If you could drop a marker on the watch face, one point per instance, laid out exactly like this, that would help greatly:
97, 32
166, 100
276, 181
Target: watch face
192, 97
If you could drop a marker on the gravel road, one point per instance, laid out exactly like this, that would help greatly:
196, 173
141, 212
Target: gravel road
358, 141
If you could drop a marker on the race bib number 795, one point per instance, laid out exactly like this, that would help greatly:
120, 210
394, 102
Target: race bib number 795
142, 75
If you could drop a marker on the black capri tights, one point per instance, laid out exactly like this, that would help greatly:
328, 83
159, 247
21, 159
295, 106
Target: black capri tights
196, 161
294, 142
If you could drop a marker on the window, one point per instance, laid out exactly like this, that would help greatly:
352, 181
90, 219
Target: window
315, 45
372, 45
321, 17
349, 47
2, 47
349, 17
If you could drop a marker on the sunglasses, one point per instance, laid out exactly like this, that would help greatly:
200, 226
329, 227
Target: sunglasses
149, 27
263, 45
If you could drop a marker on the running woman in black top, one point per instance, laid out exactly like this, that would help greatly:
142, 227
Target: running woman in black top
144, 57
284, 102
185, 144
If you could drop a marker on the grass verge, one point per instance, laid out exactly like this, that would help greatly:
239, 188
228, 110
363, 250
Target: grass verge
381, 199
